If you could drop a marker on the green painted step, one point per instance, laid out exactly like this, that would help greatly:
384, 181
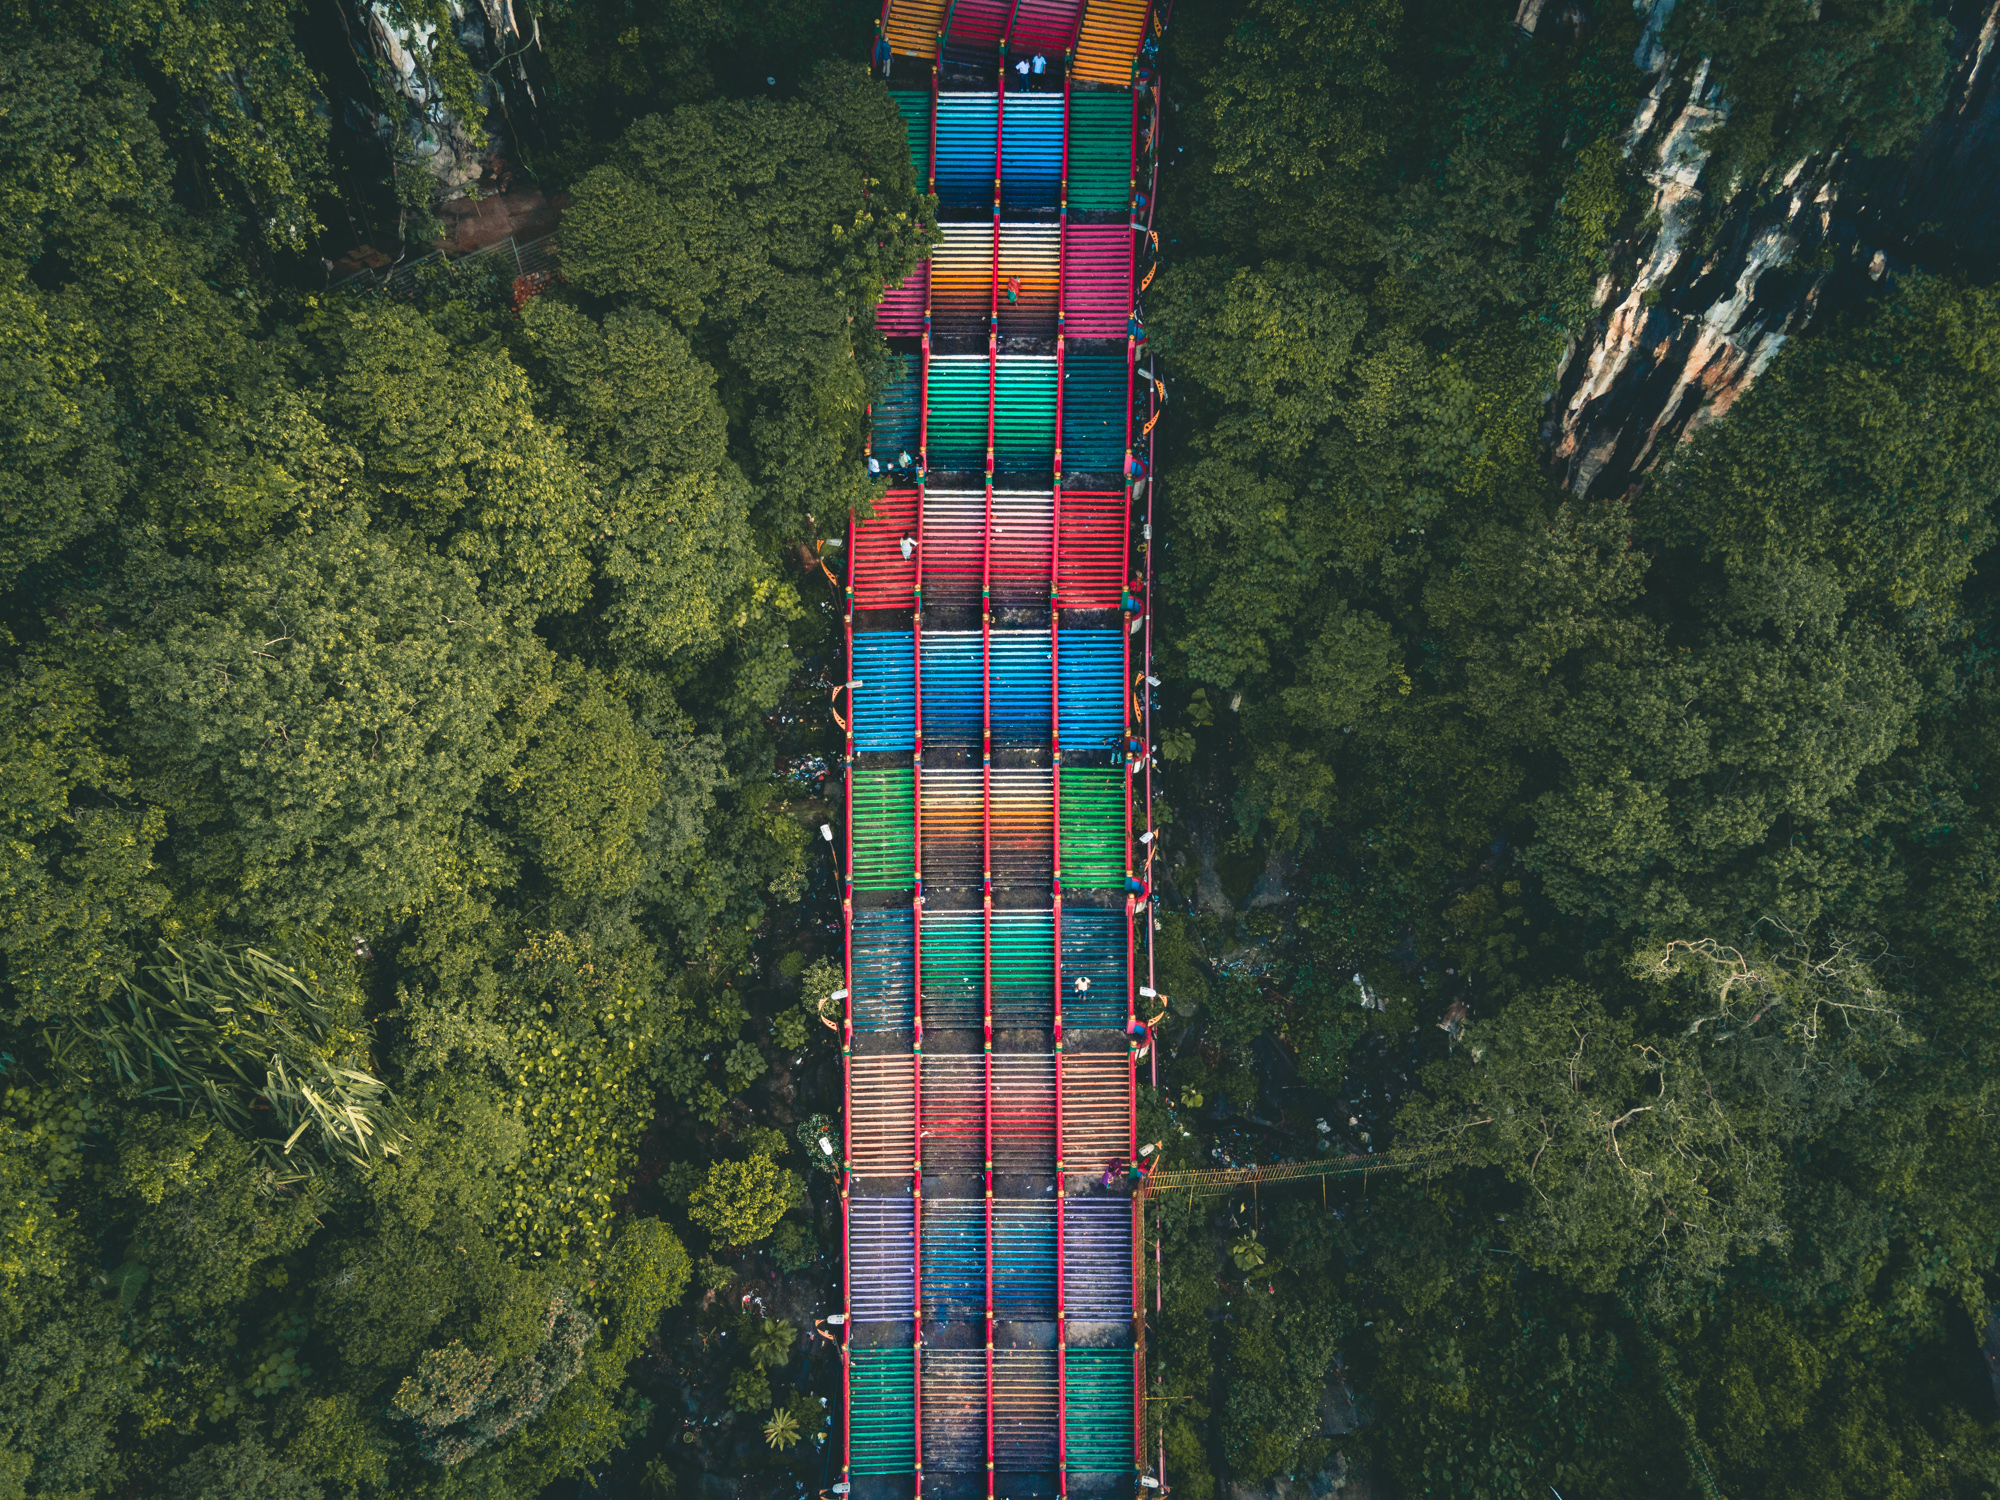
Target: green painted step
1093, 829
957, 401
881, 1422
885, 828
893, 420
1024, 414
1097, 1417
1100, 152
914, 105
1024, 965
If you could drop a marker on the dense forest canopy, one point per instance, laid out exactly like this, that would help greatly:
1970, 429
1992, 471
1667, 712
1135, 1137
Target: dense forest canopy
415, 738
1686, 797
390, 712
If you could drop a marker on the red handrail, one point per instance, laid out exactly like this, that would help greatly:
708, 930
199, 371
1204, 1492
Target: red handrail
846, 875
1144, 909
917, 1253
1055, 828
986, 751
986, 922
917, 887
917, 892
1007, 31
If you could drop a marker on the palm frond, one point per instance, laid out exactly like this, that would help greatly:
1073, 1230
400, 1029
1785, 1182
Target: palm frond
236, 1034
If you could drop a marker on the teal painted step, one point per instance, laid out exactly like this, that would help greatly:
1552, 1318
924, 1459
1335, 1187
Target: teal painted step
914, 106
1024, 414
1100, 152
893, 419
881, 1411
1097, 1418
957, 398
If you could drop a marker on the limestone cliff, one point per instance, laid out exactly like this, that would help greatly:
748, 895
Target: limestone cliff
1704, 291
440, 155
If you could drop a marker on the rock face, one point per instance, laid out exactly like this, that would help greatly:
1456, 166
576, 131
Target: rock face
408, 114
1704, 292
1941, 206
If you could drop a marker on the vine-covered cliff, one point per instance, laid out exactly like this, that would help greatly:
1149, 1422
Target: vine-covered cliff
1712, 274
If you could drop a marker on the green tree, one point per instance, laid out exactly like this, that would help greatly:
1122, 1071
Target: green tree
78, 859
451, 446
1267, 100
216, 1234
330, 724
741, 1202
1798, 78
38, 1246
674, 537
586, 1033
245, 1466
1625, 1155
460, 1402
60, 477
766, 231
1874, 447
242, 103
645, 1274
83, 177
1679, 766
586, 785
782, 1431
749, 1389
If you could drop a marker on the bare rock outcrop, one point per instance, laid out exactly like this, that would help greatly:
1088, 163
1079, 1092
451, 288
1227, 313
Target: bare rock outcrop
444, 156
1704, 291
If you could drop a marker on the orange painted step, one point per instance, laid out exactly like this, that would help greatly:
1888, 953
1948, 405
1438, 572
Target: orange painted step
912, 26
1109, 41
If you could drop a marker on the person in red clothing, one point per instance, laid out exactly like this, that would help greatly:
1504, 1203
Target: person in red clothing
1140, 1168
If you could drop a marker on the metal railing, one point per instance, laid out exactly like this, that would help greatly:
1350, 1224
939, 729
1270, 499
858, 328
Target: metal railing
405, 278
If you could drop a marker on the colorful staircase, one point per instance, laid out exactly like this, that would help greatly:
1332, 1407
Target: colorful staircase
1107, 48
994, 906
911, 27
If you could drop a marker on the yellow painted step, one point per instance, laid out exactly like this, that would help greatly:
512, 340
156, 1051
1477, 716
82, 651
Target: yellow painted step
912, 27
1109, 41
